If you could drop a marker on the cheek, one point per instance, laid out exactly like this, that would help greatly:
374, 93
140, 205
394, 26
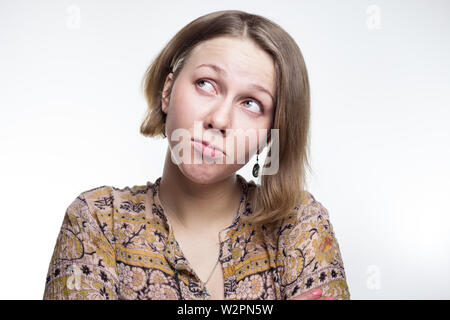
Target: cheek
182, 110
267, 126
257, 129
245, 142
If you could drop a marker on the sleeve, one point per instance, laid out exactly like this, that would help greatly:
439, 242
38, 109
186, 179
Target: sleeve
311, 255
83, 264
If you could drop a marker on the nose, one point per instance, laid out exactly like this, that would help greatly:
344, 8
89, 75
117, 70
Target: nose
220, 117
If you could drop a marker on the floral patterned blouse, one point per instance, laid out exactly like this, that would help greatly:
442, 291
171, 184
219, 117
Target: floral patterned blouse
117, 244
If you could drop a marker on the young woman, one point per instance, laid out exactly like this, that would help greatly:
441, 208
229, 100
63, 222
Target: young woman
201, 231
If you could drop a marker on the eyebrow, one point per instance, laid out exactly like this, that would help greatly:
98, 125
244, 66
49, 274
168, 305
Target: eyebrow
224, 73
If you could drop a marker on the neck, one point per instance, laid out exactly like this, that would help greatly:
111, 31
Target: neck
195, 206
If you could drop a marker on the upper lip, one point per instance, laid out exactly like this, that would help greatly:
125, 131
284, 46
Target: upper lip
207, 143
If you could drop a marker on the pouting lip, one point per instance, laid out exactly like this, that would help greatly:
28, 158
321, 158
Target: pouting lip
206, 143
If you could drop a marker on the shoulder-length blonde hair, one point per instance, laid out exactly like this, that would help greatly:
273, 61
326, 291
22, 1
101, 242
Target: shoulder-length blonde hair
280, 194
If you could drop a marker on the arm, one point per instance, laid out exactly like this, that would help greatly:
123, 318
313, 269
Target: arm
83, 265
311, 254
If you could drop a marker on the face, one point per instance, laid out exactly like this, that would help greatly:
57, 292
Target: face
227, 90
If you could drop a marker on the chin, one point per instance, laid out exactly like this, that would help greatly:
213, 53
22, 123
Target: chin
203, 174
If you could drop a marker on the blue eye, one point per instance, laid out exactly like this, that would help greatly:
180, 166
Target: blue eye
259, 106
201, 80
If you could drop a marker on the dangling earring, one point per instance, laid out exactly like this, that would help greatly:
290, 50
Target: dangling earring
256, 166
164, 121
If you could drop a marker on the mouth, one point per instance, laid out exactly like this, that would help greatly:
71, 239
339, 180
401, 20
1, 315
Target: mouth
208, 149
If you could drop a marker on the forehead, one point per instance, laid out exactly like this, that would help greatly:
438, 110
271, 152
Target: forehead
241, 59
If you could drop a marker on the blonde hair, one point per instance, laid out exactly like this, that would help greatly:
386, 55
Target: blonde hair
280, 194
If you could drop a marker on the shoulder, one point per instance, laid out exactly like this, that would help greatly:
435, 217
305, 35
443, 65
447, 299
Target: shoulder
309, 208
310, 252
97, 208
309, 224
109, 198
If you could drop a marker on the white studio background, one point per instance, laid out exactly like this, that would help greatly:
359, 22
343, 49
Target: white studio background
71, 106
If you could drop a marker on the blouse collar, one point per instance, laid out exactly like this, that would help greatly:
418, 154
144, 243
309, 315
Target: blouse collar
172, 251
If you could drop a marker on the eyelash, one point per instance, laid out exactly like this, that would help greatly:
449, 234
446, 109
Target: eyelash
251, 98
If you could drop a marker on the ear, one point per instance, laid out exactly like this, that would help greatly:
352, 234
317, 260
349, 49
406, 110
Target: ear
165, 95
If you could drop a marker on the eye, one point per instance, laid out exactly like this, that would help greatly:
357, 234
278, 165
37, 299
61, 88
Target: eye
257, 104
203, 81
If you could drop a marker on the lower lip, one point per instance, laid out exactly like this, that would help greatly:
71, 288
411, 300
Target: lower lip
207, 151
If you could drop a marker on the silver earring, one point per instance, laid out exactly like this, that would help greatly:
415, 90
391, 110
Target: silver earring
256, 167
